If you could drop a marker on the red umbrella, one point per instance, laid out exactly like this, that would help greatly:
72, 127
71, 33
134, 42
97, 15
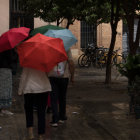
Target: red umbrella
11, 38
41, 52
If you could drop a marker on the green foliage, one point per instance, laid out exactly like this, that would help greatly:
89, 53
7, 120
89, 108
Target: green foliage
96, 11
134, 90
130, 69
43, 9
131, 7
90, 11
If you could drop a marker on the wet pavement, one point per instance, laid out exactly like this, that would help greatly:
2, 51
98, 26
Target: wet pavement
95, 111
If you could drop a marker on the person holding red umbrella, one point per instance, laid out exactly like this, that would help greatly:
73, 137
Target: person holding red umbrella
38, 55
35, 86
8, 61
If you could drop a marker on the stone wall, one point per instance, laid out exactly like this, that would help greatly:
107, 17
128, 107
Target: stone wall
75, 28
4, 16
104, 36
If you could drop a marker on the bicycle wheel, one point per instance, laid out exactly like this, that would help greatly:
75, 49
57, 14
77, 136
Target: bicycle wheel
101, 58
86, 61
117, 60
80, 60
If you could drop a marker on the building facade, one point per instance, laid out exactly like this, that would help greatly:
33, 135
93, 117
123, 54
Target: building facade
12, 16
4, 15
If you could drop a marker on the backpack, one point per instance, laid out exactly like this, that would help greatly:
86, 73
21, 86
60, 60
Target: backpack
58, 70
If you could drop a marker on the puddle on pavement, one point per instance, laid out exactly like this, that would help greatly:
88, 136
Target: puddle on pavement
122, 106
75, 110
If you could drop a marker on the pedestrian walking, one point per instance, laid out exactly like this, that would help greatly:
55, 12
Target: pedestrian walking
8, 65
59, 79
8, 62
35, 86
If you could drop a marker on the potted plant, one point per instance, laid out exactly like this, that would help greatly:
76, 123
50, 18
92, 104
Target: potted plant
131, 70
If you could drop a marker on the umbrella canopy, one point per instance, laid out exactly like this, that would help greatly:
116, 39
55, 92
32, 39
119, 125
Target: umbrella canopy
44, 29
66, 35
41, 52
11, 38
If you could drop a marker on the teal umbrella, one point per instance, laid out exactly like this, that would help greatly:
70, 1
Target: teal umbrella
66, 35
44, 29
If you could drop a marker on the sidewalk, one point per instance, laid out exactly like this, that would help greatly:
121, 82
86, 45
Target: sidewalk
109, 105
95, 111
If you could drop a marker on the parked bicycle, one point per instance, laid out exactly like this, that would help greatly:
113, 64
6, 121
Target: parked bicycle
86, 52
90, 56
116, 58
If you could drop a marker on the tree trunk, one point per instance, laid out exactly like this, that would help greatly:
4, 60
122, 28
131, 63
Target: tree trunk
130, 17
114, 23
68, 24
133, 44
57, 21
109, 60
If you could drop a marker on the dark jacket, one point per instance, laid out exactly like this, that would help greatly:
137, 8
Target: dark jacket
9, 59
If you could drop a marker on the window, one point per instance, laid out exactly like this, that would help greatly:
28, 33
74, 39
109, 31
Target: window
18, 18
88, 34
